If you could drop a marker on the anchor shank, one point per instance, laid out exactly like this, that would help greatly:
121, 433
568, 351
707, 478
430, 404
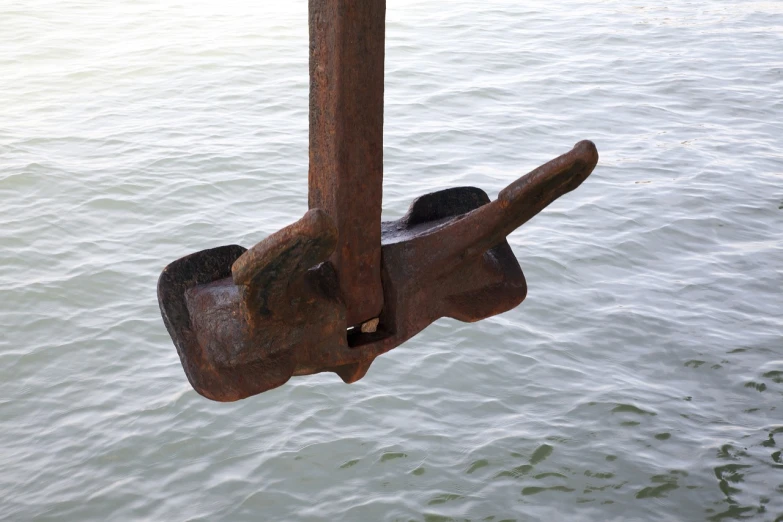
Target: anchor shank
347, 39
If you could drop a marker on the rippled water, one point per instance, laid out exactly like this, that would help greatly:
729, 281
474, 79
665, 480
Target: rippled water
641, 380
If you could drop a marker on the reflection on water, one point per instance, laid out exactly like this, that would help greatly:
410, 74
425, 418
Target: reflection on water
641, 380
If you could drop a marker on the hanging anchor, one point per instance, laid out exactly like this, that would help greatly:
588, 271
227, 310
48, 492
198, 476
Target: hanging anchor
338, 288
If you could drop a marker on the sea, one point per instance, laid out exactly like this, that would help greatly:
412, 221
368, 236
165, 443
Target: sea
641, 379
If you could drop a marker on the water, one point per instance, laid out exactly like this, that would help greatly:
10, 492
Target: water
641, 380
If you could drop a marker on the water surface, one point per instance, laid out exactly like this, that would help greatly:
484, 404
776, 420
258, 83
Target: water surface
641, 380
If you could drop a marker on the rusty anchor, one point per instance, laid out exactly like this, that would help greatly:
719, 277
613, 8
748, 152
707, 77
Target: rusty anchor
338, 288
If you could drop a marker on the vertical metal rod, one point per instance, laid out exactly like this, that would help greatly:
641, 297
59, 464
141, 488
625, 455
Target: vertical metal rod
347, 40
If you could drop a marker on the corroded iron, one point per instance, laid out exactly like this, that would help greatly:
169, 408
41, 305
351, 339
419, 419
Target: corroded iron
338, 288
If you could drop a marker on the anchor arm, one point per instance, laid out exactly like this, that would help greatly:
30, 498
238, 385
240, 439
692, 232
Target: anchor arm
268, 274
470, 235
532, 193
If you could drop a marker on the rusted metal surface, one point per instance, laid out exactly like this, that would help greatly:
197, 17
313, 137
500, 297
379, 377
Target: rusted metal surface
338, 288
346, 141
